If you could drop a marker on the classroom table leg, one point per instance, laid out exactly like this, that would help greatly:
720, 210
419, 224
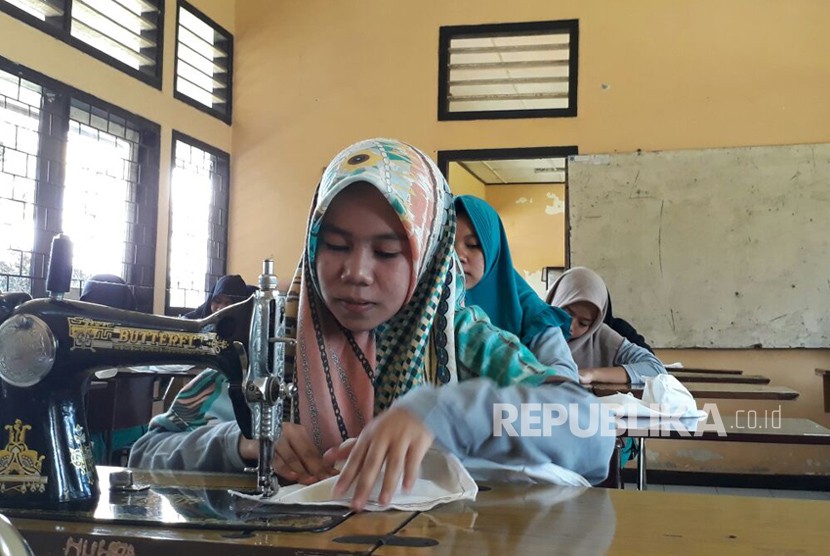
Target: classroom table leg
641, 466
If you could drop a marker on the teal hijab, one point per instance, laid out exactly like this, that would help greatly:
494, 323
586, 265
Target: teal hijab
502, 293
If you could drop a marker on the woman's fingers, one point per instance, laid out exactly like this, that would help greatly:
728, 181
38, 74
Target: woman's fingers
297, 458
392, 473
339, 453
368, 473
414, 457
353, 465
393, 445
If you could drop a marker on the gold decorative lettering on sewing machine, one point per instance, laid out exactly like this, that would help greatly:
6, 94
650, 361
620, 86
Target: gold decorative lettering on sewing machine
49, 349
80, 455
91, 334
20, 466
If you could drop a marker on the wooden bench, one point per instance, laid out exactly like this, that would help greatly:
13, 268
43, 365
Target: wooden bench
746, 428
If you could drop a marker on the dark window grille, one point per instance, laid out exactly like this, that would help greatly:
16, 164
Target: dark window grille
74, 164
20, 140
511, 70
198, 244
204, 63
127, 34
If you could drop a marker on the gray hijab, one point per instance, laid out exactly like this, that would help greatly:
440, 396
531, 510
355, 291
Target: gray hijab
599, 345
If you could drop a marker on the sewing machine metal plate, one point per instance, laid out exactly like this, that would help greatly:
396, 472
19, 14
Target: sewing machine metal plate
192, 506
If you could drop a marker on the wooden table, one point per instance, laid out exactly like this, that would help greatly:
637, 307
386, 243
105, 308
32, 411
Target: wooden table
747, 426
673, 370
568, 520
689, 376
710, 390
503, 520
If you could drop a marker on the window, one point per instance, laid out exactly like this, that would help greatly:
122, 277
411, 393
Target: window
204, 63
126, 34
19, 145
100, 188
198, 223
513, 70
74, 164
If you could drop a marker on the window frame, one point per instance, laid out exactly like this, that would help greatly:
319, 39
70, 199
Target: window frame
447, 33
143, 232
223, 116
64, 34
212, 275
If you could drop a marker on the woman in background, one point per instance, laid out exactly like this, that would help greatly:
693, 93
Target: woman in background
494, 285
229, 289
601, 354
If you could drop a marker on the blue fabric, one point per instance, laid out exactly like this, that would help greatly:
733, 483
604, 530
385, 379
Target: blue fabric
502, 293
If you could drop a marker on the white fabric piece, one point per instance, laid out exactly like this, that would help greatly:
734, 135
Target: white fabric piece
663, 396
675, 365
545, 473
443, 479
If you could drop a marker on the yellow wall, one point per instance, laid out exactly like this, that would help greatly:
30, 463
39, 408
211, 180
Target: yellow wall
534, 220
313, 76
462, 182
36, 50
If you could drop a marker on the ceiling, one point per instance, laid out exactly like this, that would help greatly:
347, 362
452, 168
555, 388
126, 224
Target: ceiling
520, 170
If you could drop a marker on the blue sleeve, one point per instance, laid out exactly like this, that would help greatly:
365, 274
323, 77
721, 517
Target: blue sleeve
473, 419
212, 448
551, 348
638, 362
198, 432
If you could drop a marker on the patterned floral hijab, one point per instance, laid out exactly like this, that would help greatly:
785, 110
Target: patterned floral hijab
342, 385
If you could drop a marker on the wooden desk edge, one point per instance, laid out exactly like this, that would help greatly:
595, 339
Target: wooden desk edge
709, 371
699, 391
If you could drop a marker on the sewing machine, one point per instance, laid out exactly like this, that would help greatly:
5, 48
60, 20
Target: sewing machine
50, 347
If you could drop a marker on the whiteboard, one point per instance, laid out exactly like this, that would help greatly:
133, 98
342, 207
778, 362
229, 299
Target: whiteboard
717, 248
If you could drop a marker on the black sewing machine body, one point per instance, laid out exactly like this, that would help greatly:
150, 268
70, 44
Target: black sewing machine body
49, 349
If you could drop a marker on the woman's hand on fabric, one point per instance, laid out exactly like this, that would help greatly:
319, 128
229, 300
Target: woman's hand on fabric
296, 458
394, 444
339, 453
